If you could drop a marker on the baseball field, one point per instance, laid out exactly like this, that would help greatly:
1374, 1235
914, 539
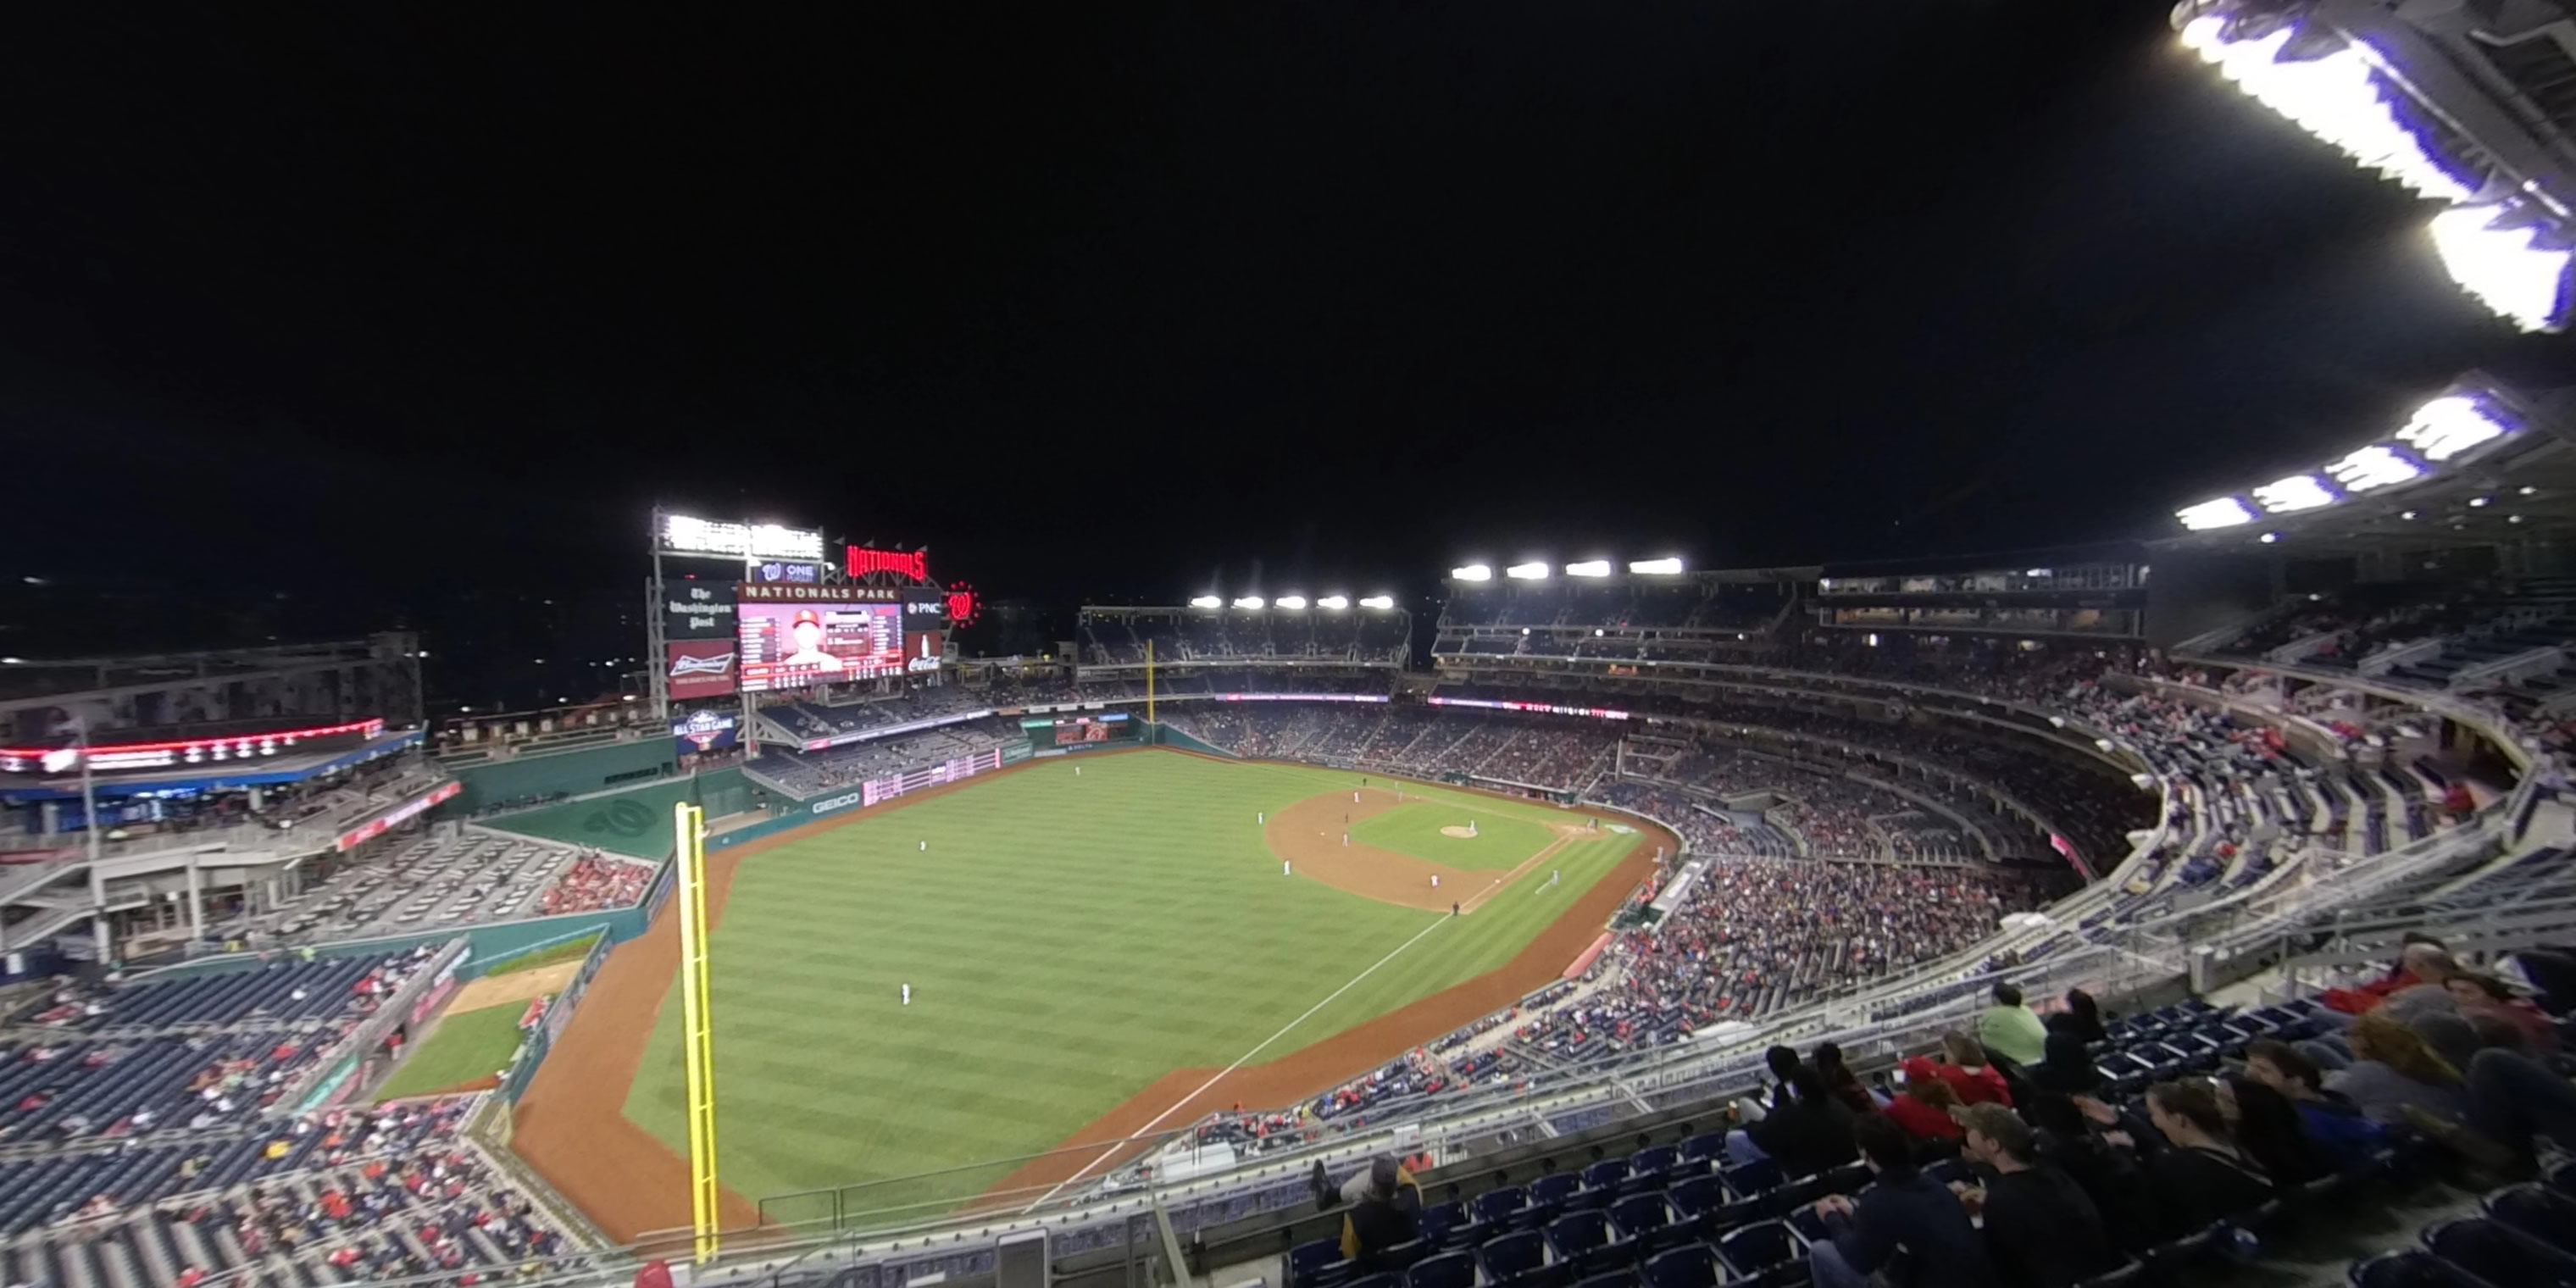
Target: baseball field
1090, 955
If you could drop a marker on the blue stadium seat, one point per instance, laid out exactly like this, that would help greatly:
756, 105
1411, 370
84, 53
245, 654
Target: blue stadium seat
2127, 1276
1507, 1255
1307, 1258
1691, 1266
2537, 1211
1498, 1207
1447, 1270
1589, 1241
2498, 1254
1437, 1223
1753, 1178
1705, 1145
2413, 1269
1768, 1253
1648, 1220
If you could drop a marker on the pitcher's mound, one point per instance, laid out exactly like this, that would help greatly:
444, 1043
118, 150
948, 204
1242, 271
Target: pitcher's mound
1462, 833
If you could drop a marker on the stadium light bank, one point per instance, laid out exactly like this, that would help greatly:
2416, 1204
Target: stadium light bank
2436, 435
1588, 568
1532, 571
2339, 71
1473, 572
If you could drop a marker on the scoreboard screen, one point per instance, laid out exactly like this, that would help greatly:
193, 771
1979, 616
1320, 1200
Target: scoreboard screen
1080, 731
793, 645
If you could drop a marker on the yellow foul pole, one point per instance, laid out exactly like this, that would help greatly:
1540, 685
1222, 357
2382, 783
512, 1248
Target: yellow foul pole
1149, 681
688, 828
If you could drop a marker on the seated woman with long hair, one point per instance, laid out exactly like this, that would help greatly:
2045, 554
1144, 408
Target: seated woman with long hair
2393, 1071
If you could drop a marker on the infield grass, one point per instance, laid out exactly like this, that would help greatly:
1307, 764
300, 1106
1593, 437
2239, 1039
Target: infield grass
465, 1046
1069, 940
1503, 841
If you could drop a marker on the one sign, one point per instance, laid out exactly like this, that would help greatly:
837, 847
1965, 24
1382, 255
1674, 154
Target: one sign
799, 573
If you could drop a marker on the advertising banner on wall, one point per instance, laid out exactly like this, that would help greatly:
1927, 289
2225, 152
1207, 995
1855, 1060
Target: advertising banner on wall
700, 668
697, 610
706, 730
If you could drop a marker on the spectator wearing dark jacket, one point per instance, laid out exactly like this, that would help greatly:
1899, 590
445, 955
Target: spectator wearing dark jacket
2340, 1133
1903, 1209
1811, 1134
2203, 1178
2041, 1229
2103, 1161
2082, 1017
1383, 1218
2068, 1067
1841, 1081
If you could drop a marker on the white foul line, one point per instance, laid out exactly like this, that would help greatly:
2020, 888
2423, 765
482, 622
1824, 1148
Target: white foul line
1245, 1059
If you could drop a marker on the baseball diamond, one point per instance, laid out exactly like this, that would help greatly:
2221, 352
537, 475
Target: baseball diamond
1090, 956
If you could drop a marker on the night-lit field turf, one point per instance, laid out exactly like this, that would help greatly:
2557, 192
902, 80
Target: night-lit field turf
1503, 840
1069, 940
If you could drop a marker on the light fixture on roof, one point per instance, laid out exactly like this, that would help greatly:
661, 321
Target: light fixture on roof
2479, 502
1531, 571
2293, 494
1473, 572
2448, 426
1380, 602
1247, 601
2038, 572
2372, 468
2502, 255
1588, 568
2333, 94
1334, 602
2225, 512
2528, 489
2270, 537
1668, 566
1292, 601
1206, 601
2407, 515
2513, 518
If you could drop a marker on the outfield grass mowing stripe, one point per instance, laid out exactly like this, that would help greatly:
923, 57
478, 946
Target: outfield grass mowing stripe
467, 1046
1246, 1057
1069, 941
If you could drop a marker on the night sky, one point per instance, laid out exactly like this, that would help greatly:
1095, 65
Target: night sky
393, 318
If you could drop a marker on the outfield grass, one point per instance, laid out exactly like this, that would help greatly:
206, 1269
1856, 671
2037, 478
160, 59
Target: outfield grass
1502, 841
571, 950
1069, 940
467, 1046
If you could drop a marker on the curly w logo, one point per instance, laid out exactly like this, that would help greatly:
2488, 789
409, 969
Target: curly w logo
622, 817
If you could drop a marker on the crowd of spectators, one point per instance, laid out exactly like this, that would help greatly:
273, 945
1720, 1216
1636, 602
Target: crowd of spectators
806, 773
596, 881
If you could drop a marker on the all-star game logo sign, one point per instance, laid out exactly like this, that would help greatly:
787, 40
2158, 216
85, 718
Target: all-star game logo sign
703, 730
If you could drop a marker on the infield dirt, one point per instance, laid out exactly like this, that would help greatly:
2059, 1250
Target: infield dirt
571, 1129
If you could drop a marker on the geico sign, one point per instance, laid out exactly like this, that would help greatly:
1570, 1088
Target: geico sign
843, 801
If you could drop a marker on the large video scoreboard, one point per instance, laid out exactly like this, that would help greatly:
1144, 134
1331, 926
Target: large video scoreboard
1080, 731
795, 645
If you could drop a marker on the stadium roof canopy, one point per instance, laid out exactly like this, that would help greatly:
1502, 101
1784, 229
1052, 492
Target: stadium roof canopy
2517, 486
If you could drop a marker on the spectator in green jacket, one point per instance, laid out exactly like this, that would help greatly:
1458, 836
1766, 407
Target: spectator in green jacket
2012, 1030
